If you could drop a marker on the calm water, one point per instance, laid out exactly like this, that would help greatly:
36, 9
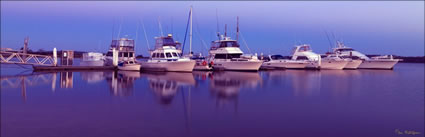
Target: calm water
212, 104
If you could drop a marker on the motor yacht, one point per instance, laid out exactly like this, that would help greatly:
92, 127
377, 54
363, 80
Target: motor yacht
304, 52
279, 62
225, 54
379, 62
166, 57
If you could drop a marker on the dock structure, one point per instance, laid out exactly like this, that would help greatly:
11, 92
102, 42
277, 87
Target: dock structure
71, 68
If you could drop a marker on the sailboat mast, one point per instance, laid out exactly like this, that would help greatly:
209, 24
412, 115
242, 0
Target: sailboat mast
237, 28
190, 32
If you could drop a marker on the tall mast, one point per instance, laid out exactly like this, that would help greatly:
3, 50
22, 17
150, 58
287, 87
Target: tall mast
237, 28
190, 32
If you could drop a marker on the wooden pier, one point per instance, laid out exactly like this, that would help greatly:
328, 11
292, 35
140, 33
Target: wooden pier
50, 68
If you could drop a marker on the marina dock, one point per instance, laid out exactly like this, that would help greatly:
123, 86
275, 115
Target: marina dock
49, 68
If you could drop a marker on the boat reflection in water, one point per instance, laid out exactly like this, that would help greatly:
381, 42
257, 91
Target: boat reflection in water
93, 76
226, 85
166, 84
121, 83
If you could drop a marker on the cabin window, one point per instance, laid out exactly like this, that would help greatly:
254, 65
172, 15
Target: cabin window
168, 55
302, 58
154, 55
121, 54
229, 44
125, 54
175, 54
220, 56
230, 56
227, 56
131, 55
161, 55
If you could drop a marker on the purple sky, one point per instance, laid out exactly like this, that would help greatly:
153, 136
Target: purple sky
387, 27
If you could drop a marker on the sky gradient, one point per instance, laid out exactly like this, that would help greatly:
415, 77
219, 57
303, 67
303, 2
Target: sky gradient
272, 27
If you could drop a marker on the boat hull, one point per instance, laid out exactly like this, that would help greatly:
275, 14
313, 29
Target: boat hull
284, 65
333, 64
130, 67
237, 65
353, 64
178, 66
202, 68
378, 64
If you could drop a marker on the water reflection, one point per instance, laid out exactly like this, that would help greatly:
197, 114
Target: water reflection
165, 85
226, 86
121, 83
92, 77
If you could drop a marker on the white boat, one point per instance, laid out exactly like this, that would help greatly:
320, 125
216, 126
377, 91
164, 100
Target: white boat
131, 65
166, 57
225, 54
125, 48
304, 52
92, 59
279, 62
380, 62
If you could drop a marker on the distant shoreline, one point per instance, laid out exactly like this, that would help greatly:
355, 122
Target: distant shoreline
405, 59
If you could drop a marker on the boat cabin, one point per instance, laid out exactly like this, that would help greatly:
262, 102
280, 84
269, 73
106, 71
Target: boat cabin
162, 42
227, 42
124, 46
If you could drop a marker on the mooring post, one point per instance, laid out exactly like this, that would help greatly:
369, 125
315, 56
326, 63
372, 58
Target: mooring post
55, 57
114, 57
320, 60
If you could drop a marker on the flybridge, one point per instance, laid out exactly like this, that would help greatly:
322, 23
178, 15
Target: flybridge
226, 42
166, 41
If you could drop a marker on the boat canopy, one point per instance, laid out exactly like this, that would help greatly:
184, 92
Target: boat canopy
166, 41
222, 44
123, 42
343, 49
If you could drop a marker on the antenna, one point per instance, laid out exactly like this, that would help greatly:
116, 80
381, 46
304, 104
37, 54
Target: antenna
160, 27
119, 30
113, 28
137, 33
172, 32
330, 43
237, 28
218, 28
225, 30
